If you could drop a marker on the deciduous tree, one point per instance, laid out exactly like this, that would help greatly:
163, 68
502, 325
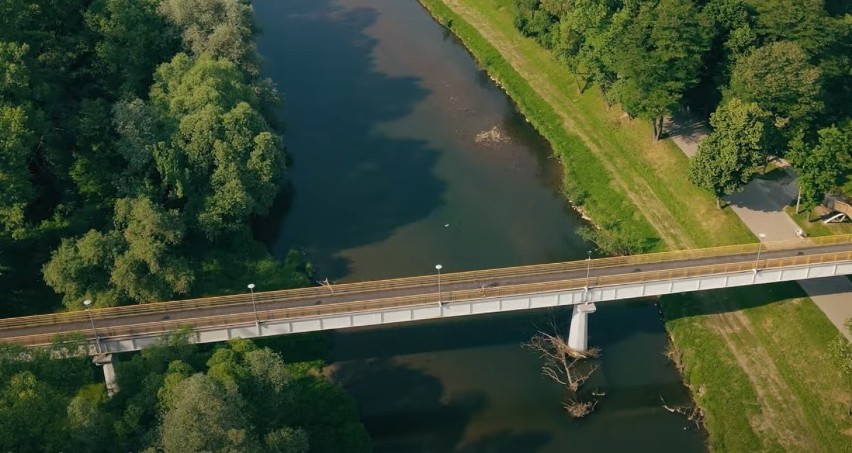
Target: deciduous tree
728, 158
779, 79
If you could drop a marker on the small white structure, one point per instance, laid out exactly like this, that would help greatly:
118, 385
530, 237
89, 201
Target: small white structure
578, 335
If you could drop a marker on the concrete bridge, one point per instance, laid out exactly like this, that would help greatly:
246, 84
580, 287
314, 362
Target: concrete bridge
577, 283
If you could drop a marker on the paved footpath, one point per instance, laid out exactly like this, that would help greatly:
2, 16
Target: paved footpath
761, 208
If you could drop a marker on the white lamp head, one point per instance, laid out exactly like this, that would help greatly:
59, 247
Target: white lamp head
87, 302
251, 286
438, 267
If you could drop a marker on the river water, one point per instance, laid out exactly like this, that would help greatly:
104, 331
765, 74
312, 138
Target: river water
405, 155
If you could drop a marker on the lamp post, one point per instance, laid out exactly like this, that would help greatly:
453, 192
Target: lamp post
759, 248
87, 303
438, 268
254, 307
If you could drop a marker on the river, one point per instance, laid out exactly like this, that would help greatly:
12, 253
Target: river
405, 155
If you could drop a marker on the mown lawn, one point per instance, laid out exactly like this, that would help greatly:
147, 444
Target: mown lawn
753, 357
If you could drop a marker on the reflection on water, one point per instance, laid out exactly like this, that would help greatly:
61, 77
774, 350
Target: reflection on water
405, 155
382, 116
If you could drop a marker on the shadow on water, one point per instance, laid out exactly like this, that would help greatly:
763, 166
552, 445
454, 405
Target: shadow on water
352, 184
405, 407
407, 410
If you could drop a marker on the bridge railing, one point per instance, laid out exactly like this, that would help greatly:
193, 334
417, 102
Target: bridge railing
520, 290
300, 294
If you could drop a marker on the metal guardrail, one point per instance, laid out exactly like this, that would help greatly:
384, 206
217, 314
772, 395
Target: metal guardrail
421, 281
293, 313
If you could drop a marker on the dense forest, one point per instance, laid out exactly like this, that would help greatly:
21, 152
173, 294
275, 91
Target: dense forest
774, 77
175, 397
137, 142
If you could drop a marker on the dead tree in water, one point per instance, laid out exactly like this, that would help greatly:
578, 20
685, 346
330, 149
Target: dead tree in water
560, 364
692, 413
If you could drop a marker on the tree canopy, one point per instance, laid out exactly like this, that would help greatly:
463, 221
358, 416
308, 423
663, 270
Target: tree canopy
729, 156
776, 72
174, 397
137, 141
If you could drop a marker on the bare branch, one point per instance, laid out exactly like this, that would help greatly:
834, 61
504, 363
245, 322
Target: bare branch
579, 409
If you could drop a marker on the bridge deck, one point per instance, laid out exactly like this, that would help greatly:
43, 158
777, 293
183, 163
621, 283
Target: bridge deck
223, 311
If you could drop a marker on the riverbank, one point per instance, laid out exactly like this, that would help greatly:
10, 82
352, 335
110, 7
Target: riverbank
761, 380
611, 167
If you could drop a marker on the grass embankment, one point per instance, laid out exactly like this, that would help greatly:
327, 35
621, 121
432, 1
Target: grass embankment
762, 380
609, 159
755, 359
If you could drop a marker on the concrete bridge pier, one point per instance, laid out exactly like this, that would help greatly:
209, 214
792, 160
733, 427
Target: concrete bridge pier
578, 335
105, 361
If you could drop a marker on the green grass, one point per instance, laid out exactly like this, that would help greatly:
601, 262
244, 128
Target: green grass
608, 159
779, 337
815, 227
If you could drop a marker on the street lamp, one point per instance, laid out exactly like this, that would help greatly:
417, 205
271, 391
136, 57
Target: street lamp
759, 248
438, 268
254, 307
87, 303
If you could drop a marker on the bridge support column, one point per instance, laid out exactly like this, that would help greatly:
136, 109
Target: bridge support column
578, 335
105, 361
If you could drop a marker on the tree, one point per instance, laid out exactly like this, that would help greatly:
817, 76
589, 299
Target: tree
29, 415
137, 261
659, 57
134, 39
223, 160
206, 417
287, 440
79, 269
614, 238
221, 28
727, 159
804, 22
779, 79
16, 189
88, 422
96, 163
822, 166
577, 43
141, 133
717, 168
149, 269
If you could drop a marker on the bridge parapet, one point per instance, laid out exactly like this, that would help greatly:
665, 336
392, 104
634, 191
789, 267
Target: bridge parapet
400, 285
471, 301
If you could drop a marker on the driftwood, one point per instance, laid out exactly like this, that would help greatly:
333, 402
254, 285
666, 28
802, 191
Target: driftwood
692, 413
559, 363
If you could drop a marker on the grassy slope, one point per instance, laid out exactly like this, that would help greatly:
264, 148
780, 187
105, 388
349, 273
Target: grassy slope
622, 174
745, 363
